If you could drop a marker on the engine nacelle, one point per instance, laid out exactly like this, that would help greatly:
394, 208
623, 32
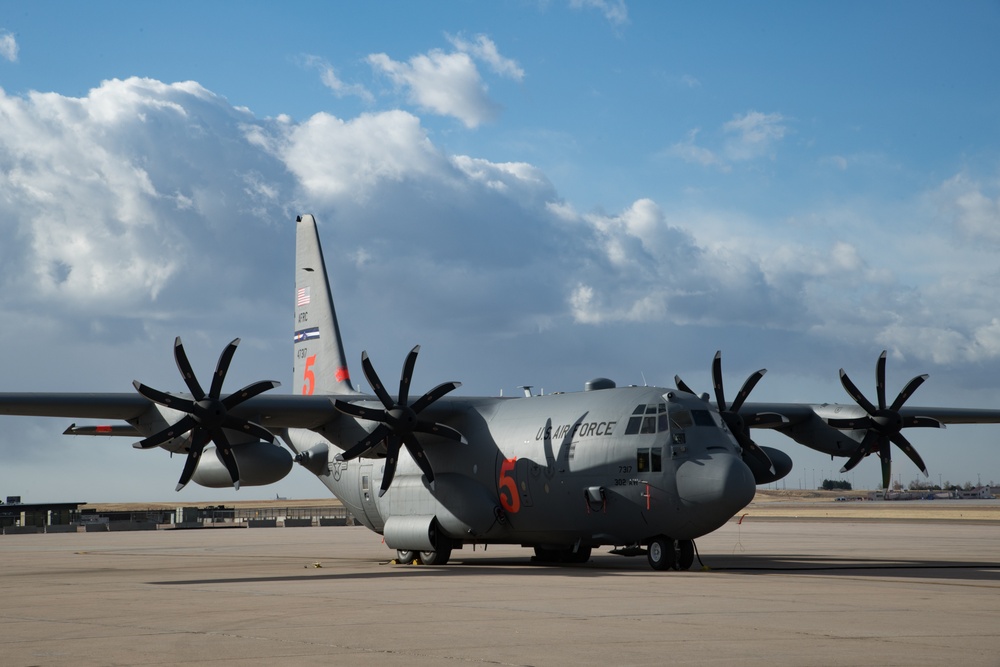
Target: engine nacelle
260, 463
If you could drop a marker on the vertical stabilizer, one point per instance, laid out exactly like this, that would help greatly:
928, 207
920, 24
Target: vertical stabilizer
320, 366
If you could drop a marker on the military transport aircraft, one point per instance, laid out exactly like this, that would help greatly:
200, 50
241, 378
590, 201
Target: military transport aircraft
635, 468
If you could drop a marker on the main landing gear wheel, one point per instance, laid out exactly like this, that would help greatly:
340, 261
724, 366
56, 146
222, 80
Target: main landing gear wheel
442, 552
439, 557
405, 556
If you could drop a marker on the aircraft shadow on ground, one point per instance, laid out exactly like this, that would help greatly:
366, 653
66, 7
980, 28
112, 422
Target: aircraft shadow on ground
608, 566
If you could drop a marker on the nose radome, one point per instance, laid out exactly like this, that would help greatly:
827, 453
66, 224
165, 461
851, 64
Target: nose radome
715, 488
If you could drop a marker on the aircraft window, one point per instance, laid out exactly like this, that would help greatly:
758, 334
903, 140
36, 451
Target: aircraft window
635, 421
642, 460
657, 459
648, 419
648, 424
681, 418
703, 418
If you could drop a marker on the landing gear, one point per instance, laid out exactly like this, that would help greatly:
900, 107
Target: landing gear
661, 553
685, 554
665, 553
406, 556
441, 555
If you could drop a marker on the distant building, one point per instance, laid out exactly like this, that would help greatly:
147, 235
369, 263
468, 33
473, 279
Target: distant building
978, 493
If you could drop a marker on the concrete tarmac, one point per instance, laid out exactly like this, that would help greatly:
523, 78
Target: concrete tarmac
808, 592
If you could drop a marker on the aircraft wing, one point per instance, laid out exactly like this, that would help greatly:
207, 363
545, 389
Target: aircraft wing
270, 411
797, 413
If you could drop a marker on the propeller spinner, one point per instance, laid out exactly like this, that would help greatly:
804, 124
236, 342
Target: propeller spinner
883, 423
398, 421
207, 415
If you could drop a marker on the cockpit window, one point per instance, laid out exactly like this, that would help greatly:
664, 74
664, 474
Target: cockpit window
681, 418
648, 419
703, 418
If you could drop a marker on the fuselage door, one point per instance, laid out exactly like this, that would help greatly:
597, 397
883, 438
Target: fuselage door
368, 496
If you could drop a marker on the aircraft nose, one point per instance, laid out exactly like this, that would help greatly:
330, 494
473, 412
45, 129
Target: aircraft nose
715, 488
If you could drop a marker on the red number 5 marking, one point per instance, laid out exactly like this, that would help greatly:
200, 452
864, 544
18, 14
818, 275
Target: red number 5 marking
507, 483
310, 377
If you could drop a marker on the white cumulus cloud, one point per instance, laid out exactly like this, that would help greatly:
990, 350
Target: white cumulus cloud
8, 47
449, 84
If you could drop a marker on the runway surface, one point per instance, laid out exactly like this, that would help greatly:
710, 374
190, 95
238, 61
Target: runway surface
808, 592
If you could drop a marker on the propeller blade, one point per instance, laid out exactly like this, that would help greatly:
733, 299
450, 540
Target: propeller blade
440, 430
361, 412
375, 382
880, 380
746, 389
908, 390
856, 394
900, 441
417, 452
222, 368
885, 454
679, 383
228, 459
391, 457
194, 454
249, 428
248, 392
184, 366
863, 450
368, 442
173, 431
407, 375
762, 456
163, 398
753, 449
434, 394
720, 395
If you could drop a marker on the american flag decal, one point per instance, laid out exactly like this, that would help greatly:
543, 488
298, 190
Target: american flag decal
301, 297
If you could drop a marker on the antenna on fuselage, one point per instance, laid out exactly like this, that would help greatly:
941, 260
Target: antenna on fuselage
526, 388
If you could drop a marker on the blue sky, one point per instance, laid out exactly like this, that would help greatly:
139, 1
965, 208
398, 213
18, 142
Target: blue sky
535, 192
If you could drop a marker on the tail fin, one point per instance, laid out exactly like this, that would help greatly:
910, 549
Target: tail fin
320, 366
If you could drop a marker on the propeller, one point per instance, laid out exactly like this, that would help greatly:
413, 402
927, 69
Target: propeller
398, 421
207, 415
884, 424
731, 413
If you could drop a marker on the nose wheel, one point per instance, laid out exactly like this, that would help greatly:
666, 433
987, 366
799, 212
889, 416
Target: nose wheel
665, 553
